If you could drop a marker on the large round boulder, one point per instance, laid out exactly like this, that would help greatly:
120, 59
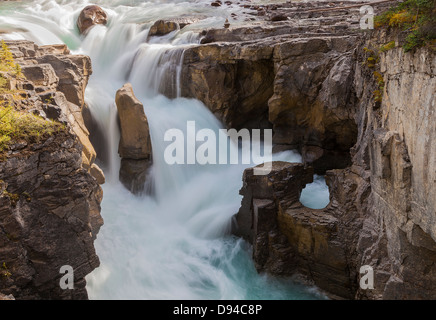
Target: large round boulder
90, 16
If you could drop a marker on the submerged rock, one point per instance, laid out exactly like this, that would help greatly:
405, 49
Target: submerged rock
90, 16
162, 27
133, 175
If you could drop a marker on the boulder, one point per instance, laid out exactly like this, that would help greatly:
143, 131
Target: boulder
162, 27
97, 174
42, 75
135, 140
135, 143
90, 16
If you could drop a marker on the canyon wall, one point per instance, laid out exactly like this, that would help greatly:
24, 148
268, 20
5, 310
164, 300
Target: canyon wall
49, 189
294, 75
382, 207
396, 151
312, 83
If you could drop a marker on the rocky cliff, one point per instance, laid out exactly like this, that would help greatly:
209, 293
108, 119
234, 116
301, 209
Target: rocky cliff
395, 154
49, 188
294, 75
359, 111
381, 212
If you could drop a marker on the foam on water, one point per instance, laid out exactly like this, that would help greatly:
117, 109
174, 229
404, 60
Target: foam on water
321, 191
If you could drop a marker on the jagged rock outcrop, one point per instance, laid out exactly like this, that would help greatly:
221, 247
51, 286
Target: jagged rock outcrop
289, 238
49, 201
294, 76
56, 82
135, 142
382, 208
91, 16
162, 27
6, 297
302, 88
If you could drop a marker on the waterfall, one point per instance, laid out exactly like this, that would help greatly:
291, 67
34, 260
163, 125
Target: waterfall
175, 244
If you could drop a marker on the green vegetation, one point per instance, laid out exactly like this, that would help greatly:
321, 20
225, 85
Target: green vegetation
7, 62
387, 46
378, 94
14, 125
13, 197
371, 61
7, 65
372, 57
4, 271
415, 17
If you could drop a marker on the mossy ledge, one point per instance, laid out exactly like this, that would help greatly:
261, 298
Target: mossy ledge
416, 19
18, 126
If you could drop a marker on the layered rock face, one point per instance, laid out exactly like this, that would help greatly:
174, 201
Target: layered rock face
135, 142
382, 207
49, 217
49, 201
396, 151
294, 75
55, 87
289, 238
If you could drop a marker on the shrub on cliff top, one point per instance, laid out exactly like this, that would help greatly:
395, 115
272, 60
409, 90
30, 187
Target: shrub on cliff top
415, 17
18, 126
7, 63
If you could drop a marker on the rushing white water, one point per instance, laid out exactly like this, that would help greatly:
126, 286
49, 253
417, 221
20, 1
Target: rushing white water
319, 188
176, 243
